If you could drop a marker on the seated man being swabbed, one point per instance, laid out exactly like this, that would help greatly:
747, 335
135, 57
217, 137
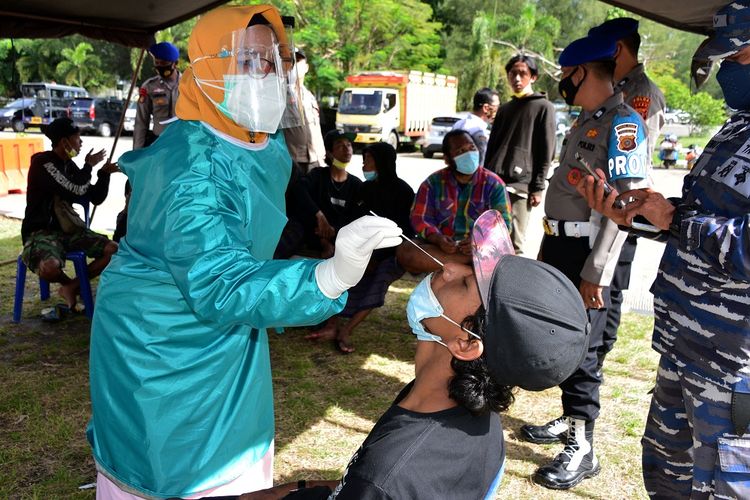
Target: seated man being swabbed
478, 338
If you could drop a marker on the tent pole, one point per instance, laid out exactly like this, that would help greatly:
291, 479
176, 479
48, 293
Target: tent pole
136, 72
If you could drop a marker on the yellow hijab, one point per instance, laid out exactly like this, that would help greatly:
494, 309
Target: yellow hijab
205, 40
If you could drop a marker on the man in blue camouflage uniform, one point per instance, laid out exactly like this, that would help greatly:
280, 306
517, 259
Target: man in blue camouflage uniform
584, 245
696, 443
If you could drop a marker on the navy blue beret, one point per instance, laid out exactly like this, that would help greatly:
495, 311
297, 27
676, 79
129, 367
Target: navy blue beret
586, 50
164, 51
615, 29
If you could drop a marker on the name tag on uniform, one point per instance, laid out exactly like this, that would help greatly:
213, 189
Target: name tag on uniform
628, 149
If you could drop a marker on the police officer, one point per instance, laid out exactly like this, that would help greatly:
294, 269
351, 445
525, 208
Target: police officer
644, 96
158, 95
583, 244
305, 143
697, 433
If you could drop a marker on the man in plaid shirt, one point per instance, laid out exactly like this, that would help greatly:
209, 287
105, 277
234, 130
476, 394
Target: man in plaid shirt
447, 204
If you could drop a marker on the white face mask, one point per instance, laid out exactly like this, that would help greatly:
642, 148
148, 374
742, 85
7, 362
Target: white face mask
252, 103
255, 104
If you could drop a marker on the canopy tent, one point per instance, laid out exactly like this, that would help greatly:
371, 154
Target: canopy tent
688, 15
131, 23
134, 22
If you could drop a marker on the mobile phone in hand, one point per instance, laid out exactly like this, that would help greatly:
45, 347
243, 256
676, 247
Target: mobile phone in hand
607, 188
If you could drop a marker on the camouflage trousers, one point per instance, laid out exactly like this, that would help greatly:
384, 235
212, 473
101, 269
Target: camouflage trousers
690, 449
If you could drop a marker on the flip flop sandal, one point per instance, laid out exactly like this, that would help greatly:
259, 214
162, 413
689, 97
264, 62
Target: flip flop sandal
55, 313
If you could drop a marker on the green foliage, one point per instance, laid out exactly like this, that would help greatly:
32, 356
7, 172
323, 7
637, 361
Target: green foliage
705, 111
341, 37
79, 67
9, 78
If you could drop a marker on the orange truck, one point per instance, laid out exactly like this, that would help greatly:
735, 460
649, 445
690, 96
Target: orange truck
394, 106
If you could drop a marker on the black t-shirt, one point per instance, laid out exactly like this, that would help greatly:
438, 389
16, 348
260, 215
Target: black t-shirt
450, 454
337, 200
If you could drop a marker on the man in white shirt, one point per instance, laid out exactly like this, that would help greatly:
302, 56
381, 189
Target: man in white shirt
478, 123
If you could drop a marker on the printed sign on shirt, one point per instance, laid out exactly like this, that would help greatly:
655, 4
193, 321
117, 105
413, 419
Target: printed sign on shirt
628, 156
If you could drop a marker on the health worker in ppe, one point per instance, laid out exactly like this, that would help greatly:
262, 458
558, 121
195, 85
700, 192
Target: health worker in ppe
182, 403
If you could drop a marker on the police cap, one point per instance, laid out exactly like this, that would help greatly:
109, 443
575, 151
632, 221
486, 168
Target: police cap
587, 49
615, 29
164, 51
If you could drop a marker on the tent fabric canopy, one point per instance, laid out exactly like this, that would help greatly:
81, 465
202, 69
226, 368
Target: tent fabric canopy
134, 22
131, 23
687, 15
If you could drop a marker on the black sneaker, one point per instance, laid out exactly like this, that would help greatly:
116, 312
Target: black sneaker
552, 432
574, 464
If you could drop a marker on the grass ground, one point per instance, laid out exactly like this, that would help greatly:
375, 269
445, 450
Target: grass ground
325, 402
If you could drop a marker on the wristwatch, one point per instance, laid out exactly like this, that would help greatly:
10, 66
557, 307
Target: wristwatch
682, 211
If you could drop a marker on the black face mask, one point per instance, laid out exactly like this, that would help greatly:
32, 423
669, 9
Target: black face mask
568, 89
164, 71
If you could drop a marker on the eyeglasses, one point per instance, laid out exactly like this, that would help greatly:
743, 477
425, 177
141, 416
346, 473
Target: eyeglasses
256, 61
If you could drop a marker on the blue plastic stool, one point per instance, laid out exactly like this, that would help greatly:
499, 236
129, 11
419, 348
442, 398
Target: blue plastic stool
79, 263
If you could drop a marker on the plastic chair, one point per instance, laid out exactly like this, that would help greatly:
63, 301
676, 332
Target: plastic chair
80, 265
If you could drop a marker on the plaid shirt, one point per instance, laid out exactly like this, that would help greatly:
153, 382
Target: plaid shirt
442, 205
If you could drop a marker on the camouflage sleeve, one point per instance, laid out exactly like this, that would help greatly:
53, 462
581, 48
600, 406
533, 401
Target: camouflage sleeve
721, 242
142, 118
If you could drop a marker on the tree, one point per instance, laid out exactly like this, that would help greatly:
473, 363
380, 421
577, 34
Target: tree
341, 37
9, 77
80, 68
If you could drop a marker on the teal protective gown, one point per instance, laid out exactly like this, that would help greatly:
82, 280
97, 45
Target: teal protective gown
180, 374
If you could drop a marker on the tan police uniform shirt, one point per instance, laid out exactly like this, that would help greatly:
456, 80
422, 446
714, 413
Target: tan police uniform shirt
612, 138
305, 143
644, 96
156, 103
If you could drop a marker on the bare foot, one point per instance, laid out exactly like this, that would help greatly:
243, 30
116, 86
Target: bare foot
69, 292
328, 332
344, 343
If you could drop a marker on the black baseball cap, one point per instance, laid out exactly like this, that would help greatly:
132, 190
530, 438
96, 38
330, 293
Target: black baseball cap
536, 328
59, 129
334, 135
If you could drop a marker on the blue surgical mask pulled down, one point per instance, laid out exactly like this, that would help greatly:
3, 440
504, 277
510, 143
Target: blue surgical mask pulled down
422, 305
371, 175
468, 162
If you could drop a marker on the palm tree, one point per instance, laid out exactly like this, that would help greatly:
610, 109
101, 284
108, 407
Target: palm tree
79, 67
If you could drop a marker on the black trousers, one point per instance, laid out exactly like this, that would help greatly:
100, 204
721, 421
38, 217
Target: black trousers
580, 391
620, 282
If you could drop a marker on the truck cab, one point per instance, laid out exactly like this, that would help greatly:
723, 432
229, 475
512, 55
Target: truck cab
393, 106
370, 113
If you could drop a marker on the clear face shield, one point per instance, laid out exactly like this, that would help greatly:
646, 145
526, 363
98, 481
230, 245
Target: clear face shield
260, 87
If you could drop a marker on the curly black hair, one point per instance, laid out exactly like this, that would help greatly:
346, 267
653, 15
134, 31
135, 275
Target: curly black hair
472, 386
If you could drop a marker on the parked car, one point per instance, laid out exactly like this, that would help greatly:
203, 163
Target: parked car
11, 115
440, 125
129, 125
50, 102
676, 116
96, 114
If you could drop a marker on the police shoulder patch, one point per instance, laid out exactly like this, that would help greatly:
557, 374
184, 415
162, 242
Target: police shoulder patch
641, 105
628, 148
